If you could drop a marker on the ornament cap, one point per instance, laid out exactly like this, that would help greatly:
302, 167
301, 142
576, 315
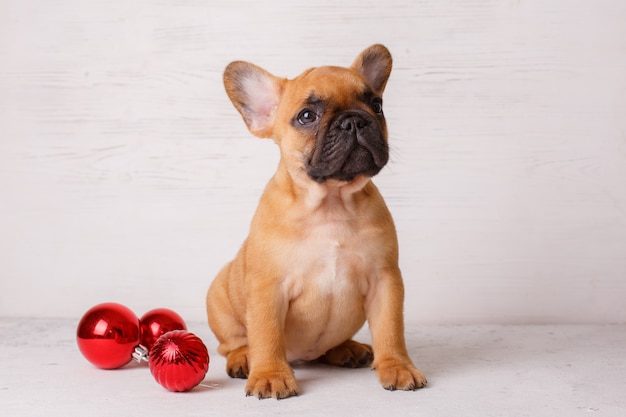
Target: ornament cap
140, 354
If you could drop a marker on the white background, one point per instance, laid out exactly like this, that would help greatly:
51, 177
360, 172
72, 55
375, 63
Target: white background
126, 175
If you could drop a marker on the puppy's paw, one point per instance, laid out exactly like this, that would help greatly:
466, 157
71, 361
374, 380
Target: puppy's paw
396, 374
349, 354
277, 384
237, 363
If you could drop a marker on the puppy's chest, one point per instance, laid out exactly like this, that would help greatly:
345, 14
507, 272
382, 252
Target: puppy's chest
332, 257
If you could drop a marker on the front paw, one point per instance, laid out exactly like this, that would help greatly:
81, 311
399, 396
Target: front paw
272, 384
395, 374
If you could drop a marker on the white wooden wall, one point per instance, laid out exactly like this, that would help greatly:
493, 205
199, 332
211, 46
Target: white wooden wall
126, 175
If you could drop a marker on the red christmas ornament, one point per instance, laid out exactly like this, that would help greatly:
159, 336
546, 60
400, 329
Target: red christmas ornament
107, 335
156, 323
179, 360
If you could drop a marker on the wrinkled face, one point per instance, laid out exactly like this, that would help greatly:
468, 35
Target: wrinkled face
333, 123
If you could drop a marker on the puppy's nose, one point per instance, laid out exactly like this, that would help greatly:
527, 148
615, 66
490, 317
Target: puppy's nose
353, 123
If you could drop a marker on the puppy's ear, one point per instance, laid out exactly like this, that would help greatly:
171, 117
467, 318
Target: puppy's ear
375, 65
255, 93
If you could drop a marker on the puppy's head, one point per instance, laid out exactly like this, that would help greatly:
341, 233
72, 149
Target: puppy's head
328, 121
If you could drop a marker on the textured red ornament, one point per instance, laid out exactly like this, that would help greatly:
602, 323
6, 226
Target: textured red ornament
156, 323
107, 335
179, 360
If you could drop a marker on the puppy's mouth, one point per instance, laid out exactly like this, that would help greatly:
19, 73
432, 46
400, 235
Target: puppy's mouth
353, 145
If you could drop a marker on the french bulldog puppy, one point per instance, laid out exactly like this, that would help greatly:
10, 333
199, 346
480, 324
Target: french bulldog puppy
321, 256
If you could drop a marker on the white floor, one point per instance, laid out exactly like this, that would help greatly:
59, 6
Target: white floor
473, 371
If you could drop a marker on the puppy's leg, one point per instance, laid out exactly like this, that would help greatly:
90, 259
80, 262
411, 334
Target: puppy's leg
271, 376
227, 326
384, 313
349, 354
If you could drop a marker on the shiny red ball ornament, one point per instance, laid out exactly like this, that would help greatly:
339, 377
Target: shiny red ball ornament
107, 335
179, 360
156, 323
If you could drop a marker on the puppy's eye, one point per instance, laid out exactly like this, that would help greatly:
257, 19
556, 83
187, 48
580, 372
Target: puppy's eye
306, 116
377, 105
